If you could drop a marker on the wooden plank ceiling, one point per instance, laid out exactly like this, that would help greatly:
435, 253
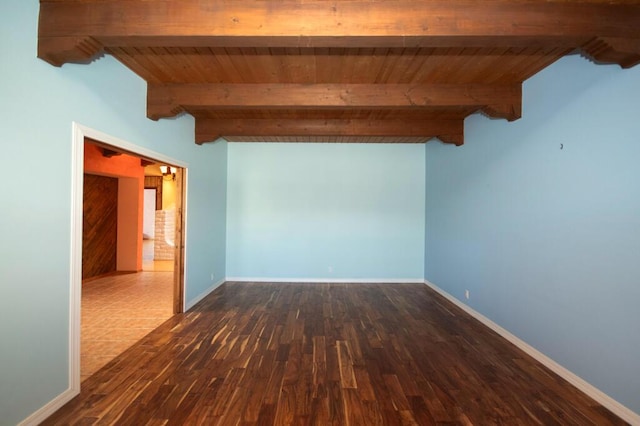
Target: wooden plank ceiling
337, 70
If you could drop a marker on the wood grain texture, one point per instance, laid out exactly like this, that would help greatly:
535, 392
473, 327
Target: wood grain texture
356, 58
99, 225
179, 255
208, 130
164, 100
313, 22
327, 354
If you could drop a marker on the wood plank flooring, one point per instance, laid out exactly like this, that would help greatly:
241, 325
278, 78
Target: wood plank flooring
327, 354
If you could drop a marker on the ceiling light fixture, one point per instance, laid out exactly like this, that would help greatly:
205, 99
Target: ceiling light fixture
168, 171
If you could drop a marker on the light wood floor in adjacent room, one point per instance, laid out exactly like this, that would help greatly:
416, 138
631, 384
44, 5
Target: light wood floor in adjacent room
327, 354
119, 310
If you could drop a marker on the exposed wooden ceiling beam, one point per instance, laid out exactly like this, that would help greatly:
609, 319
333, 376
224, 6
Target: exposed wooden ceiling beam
170, 41
498, 100
622, 51
78, 30
108, 153
208, 130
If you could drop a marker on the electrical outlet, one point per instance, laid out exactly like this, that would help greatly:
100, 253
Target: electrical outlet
466, 294
330, 269
213, 276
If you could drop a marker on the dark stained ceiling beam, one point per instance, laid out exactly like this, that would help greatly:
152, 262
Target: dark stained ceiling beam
208, 130
497, 100
108, 153
72, 31
622, 51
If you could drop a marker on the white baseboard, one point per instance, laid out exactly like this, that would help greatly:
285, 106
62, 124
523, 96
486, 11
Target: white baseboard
329, 280
191, 303
614, 406
43, 413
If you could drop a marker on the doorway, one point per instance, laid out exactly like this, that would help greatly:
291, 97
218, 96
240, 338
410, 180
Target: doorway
158, 241
175, 280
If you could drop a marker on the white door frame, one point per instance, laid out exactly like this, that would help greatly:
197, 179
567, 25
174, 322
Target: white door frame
81, 132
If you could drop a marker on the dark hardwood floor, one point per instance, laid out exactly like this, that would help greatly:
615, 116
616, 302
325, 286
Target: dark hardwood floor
327, 354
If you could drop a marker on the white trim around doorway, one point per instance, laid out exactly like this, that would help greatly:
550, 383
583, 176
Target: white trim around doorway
79, 133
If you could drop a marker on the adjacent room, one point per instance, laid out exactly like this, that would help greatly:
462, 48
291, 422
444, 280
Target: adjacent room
414, 212
127, 273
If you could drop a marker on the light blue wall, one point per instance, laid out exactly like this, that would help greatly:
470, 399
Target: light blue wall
207, 215
38, 103
547, 240
295, 209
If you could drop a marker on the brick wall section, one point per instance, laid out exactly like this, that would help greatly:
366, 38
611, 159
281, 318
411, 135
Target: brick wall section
163, 247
